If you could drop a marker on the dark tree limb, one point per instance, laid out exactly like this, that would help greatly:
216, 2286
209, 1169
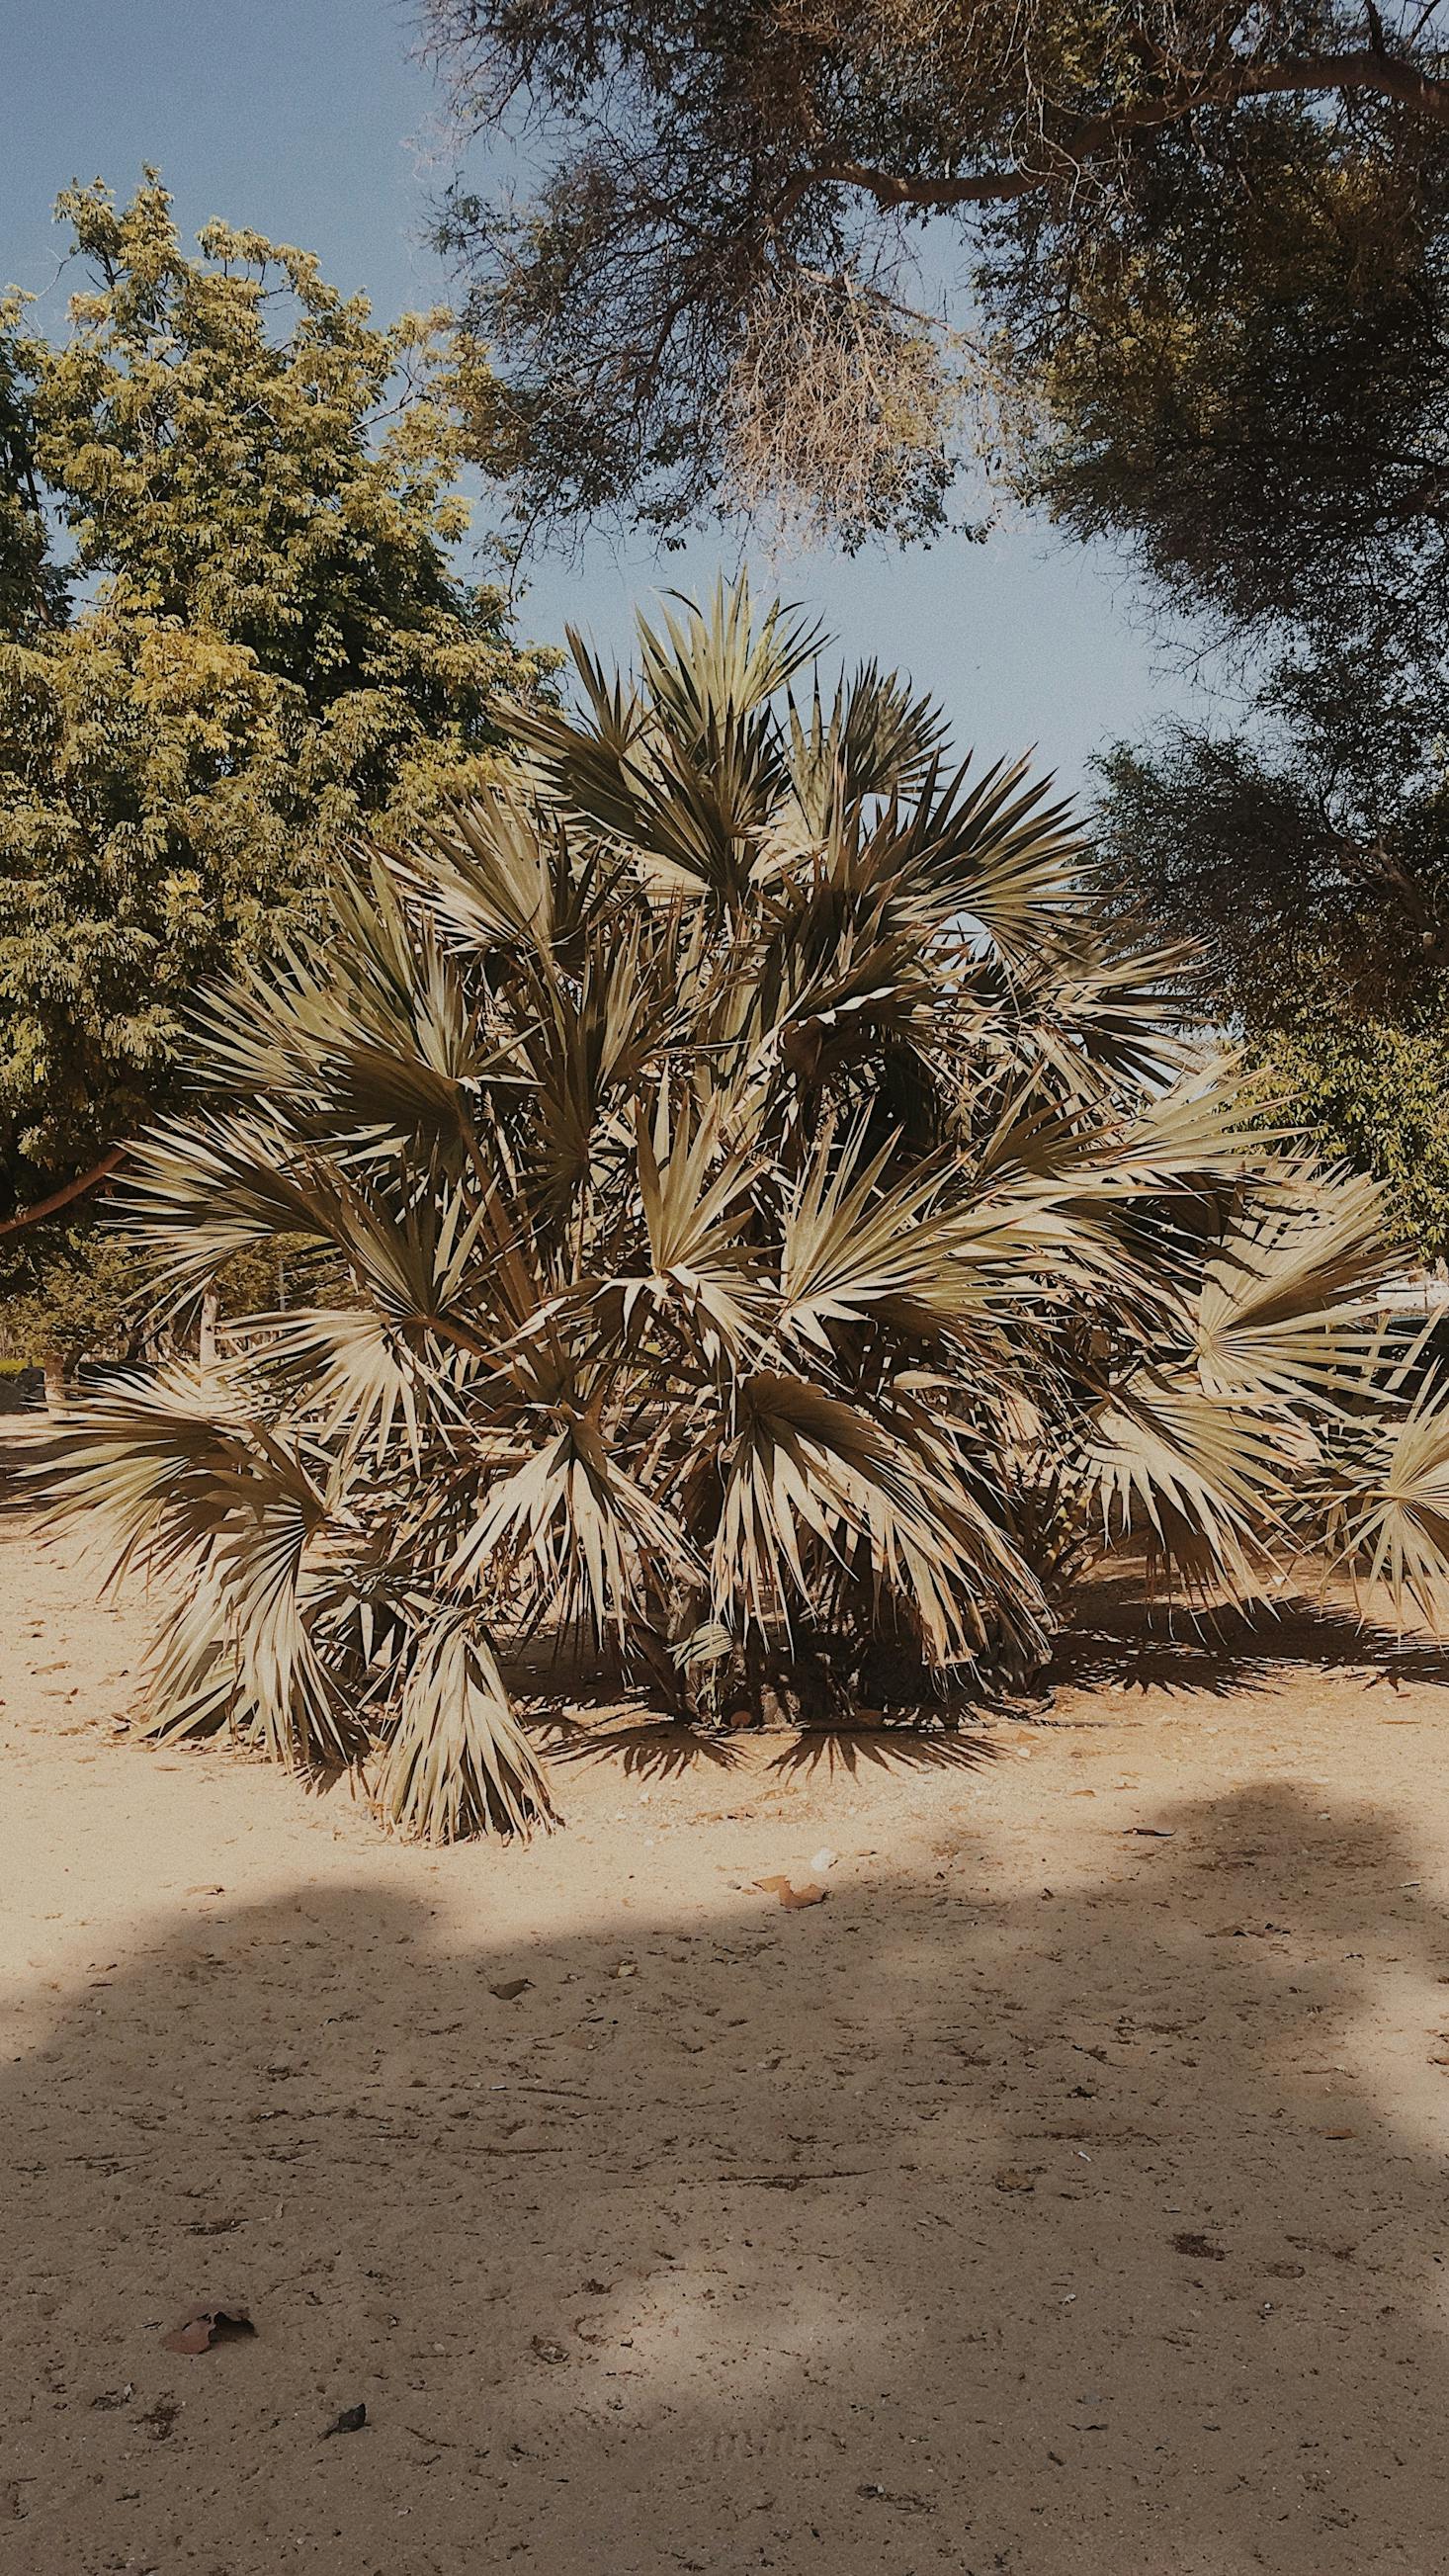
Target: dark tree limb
73, 1190
1086, 138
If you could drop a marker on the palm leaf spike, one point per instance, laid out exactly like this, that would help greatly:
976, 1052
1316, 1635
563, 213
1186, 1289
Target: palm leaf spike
712, 669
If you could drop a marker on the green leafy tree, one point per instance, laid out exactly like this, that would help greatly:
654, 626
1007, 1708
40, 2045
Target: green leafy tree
269, 642
783, 1232
1376, 1092
71, 1302
1310, 864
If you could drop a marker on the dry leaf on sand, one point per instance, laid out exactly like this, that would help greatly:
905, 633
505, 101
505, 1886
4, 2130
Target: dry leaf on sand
1200, 2247
203, 2327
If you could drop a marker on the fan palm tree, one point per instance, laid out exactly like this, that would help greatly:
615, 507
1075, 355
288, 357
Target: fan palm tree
748, 1203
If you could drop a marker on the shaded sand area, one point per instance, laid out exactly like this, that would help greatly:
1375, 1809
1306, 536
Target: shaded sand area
1065, 2196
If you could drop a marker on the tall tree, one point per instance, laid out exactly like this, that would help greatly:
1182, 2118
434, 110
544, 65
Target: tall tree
259, 639
1265, 417
1197, 270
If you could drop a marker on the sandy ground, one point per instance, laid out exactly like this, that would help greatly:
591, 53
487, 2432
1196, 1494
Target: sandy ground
1064, 2195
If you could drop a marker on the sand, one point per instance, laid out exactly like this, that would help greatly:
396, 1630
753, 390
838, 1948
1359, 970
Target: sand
1064, 2194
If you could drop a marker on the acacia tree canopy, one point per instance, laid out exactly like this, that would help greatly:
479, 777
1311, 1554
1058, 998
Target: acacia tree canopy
713, 284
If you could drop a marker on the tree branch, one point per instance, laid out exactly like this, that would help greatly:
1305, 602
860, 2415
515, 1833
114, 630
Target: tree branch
1084, 138
58, 1199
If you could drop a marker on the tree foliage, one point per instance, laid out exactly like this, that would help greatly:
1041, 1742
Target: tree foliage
731, 202
1259, 409
248, 636
71, 1302
1318, 888
1263, 415
781, 1227
1377, 1092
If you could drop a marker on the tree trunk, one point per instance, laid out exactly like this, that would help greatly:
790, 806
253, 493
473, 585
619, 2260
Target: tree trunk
207, 1335
54, 1367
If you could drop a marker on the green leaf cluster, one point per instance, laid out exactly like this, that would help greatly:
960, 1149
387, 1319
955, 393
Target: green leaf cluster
231, 629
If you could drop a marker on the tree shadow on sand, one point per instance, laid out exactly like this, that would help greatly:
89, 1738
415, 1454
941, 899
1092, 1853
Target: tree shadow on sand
931, 2229
649, 1749
1118, 1638
664, 1749
848, 1751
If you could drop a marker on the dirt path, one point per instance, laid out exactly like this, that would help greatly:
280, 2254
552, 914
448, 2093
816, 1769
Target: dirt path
1059, 2198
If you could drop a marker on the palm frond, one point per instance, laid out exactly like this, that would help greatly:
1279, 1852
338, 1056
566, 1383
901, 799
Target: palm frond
1204, 1482
1388, 1506
1284, 1308
458, 1761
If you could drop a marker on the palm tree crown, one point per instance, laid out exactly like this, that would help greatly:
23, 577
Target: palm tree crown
748, 1202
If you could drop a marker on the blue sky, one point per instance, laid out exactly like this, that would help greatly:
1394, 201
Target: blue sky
307, 119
